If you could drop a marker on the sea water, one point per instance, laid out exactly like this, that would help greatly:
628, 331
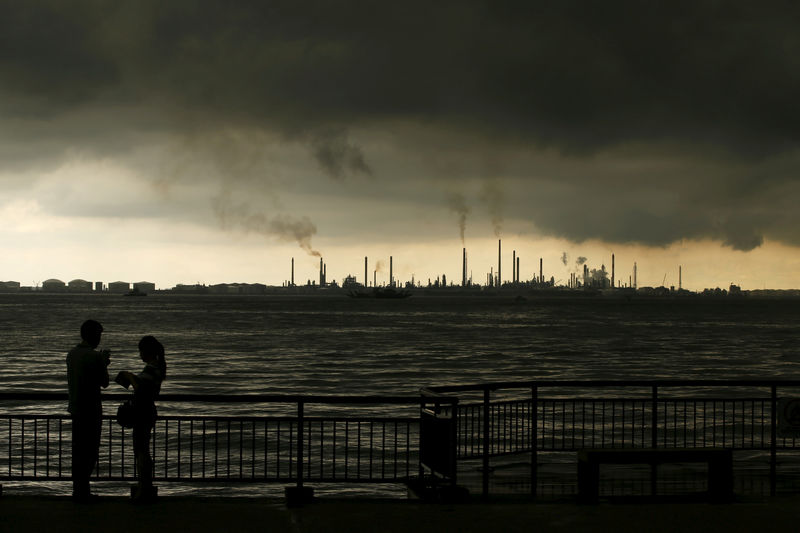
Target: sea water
334, 345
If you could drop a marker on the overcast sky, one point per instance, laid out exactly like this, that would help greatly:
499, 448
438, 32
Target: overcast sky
183, 142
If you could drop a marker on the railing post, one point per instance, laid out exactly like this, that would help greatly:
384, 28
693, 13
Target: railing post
773, 444
486, 442
299, 494
454, 441
654, 440
534, 439
300, 445
654, 409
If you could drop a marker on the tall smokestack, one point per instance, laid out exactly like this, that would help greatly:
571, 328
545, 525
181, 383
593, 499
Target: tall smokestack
464, 268
391, 275
680, 277
517, 269
612, 271
292, 271
499, 261
325, 274
541, 276
513, 266
374, 278
321, 274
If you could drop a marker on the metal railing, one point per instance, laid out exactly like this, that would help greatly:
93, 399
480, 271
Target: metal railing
604, 414
363, 439
345, 444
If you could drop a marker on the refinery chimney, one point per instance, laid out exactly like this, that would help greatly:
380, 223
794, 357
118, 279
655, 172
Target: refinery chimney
612, 271
321, 274
391, 275
513, 266
292, 271
464, 268
541, 276
680, 277
499, 261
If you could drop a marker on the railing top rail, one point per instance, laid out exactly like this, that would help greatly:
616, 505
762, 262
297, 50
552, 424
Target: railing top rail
228, 398
616, 383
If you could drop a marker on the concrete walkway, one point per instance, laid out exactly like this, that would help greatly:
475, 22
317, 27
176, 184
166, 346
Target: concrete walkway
113, 514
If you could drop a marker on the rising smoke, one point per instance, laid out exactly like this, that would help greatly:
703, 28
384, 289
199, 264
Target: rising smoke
337, 156
280, 226
494, 198
564, 258
458, 204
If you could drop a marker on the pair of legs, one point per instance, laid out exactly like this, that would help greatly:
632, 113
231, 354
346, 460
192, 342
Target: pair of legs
144, 464
85, 449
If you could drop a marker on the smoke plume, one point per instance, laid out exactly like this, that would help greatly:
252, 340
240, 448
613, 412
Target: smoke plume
281, 226
495, 200
457, 204
564, 258
337, 156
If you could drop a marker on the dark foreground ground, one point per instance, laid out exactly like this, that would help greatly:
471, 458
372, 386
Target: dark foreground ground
35, 514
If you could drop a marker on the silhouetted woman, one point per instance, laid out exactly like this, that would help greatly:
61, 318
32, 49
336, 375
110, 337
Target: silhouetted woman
146, 386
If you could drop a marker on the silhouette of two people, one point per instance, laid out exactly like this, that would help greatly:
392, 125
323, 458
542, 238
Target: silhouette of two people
87, 373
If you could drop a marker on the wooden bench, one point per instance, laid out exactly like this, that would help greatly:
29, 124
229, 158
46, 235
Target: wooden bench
720, 467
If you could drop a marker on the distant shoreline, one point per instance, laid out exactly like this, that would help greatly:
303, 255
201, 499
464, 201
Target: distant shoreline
513, 293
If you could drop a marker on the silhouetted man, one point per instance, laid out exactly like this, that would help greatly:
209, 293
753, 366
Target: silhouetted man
87, 371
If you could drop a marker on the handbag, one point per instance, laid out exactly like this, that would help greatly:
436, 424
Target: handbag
125, 414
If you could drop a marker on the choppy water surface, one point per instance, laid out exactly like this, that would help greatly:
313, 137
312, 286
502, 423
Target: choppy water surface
337, 345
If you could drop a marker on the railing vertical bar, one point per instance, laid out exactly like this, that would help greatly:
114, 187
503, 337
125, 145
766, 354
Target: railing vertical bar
322, 448
603, 424
371, 433
60, 439
300, 414
35, 446
534, 440
773, 439
485, 473
408, 448
395, 450
333, 451
110, 443
166, 446
179, 450
583, 423
278, 450
21, 448
228, 449
47, 448
191, 449
723, 422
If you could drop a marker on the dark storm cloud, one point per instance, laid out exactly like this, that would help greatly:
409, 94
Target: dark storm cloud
716, 78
